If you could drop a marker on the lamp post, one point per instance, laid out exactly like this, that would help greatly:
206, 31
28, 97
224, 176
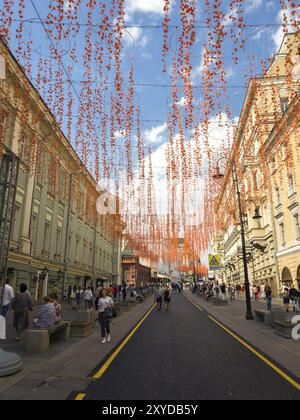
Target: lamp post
219, 175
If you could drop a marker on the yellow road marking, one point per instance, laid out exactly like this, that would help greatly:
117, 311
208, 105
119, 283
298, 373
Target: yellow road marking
80, 397
252, 350
260, 356
197, 306
106, 365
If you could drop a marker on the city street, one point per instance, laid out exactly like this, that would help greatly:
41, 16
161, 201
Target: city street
184, 355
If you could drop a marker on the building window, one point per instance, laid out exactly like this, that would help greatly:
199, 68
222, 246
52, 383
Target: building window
16, 224
291, 185
297, 225
47, 237
77, 250
277, 195
84, 254
58, 242
284, 102
34, 229
91, 257
282, 233
80, 208
62, 187
69, 247
255, 184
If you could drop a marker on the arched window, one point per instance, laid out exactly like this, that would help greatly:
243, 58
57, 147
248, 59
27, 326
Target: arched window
286, 276
298, 276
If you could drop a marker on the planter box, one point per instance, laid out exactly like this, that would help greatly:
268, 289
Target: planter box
81, 329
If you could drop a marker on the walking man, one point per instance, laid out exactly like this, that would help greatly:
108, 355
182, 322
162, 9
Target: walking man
269, 297
8, 296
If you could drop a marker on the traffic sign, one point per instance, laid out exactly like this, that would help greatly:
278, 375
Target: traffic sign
215, 261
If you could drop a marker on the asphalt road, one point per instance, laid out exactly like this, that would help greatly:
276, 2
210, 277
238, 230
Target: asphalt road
184, 355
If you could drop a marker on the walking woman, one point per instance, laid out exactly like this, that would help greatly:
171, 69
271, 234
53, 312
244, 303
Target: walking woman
167, 298
105, 305
21, 304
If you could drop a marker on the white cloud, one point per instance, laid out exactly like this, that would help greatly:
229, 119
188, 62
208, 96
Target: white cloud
155, 134
137, 37
229, 73
279, 34
253, 5
145, 6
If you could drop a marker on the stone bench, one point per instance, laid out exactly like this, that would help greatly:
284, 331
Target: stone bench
38, 340
269, 317
284, 329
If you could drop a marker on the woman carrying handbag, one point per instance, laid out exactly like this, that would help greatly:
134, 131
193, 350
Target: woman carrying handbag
105, 306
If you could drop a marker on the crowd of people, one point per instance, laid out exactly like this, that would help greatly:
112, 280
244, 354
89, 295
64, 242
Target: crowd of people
101, 299
290, 295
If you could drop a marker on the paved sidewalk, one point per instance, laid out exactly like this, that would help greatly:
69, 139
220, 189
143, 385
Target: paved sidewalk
67, 365
285, 352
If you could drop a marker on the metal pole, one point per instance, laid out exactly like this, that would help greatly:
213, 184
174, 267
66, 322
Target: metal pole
249, 314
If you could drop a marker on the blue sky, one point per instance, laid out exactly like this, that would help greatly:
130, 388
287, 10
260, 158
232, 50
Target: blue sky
144, 46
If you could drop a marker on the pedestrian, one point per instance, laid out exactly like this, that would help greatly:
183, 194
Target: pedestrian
223, 291
115, 289
47, 314
263, 291
65, 296
21, 304
124, 291
88, 298
255, 292
293, 295
70, 288
167, 298
57, 307
231, 291
78, 296
269, 297
105, 305
73, 297
286, 299
8, 296
159, 298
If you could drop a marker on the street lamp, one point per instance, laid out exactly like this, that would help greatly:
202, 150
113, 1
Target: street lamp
218, 175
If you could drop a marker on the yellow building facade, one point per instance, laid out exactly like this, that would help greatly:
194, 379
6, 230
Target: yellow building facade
58, 237
267, 153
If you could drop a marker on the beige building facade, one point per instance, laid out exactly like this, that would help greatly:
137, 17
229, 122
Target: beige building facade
267, 151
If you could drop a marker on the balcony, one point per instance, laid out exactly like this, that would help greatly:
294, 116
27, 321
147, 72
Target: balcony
259, 234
